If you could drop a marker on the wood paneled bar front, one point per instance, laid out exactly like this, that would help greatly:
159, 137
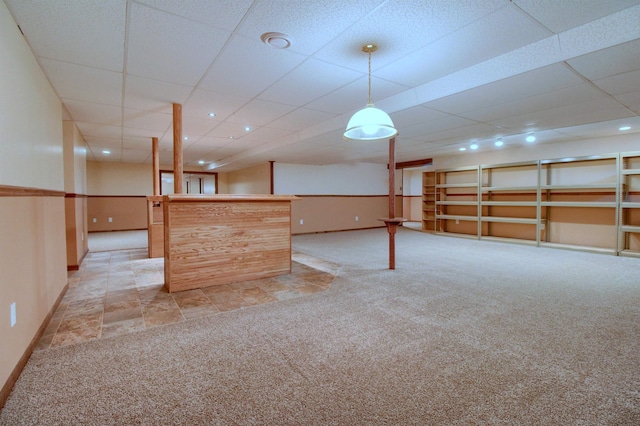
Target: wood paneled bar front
220, 239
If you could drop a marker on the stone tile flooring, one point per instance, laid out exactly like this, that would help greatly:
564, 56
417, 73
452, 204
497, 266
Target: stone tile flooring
119, 292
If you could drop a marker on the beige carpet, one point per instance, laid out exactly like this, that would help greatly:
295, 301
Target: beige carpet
463, 332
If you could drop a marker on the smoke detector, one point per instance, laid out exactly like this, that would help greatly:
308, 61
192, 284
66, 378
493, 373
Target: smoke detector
276, 40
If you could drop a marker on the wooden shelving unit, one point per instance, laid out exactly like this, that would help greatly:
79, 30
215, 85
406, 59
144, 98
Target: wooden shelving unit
429, 223
457, 201
509, 202
578, 199
587, 203
629, 214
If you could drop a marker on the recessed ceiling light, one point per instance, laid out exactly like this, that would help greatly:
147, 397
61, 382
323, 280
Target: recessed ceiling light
186, 138
106, 152
201, 162
623, 128
499, 142
212, 114
530, 138
247, 129
276, 40
231, 137
474, 146
462, 149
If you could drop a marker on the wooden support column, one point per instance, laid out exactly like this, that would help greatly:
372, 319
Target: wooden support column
271, 184
156, 166
177, 149
392, 221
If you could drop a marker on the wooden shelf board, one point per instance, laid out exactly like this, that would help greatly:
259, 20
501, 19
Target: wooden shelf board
589, 249
521, 220
510, 240
457, 185
628, 205
454, 234
509, 188
630, 228
456, 217
630, 253
577, 204
457, 203
611, 186
511, 203
631, 172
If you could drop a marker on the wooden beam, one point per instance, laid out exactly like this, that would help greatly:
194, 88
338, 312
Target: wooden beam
156, 166
177, 149
414, 163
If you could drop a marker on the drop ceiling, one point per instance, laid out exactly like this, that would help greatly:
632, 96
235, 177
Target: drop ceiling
450, 73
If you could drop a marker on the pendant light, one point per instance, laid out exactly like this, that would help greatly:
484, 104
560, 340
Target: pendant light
370, 123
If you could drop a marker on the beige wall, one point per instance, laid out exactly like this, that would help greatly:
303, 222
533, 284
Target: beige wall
32, 247
126, 213
108, 178
253, 180
337, 213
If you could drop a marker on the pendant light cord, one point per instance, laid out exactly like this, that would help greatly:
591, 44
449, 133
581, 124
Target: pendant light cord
369, 77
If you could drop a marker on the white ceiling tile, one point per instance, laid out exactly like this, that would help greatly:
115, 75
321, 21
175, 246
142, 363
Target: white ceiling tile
608, 62
196, 127
560, 16
246, 67
300, 119
84, 83
225, 14
141, 134
135, 156
227, 129
99, 130
94, 113
354, 95
603, 109
154, 95
88, 32
139, 144
557, 98
620, 83
169, 48
264, 134
311, 80
106, 143
504, 30
310, 26
417, 114
631, 100
202, 102
259, 113
520, 86
140, 119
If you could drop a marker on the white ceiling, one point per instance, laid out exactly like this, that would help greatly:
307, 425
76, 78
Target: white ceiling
449, 73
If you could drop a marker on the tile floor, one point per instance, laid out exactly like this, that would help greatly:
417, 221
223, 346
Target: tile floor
119, 292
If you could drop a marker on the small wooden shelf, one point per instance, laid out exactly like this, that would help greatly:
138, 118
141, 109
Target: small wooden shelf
457, 217
509, 188
578, 204
456, 203
510, 203
521, 220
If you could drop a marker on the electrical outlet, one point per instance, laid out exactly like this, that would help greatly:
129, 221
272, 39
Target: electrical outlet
301, 222
110, 219
356, 218
95, 220
457, 221
13, 314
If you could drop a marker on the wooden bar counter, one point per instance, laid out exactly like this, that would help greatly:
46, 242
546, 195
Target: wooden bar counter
220, 239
